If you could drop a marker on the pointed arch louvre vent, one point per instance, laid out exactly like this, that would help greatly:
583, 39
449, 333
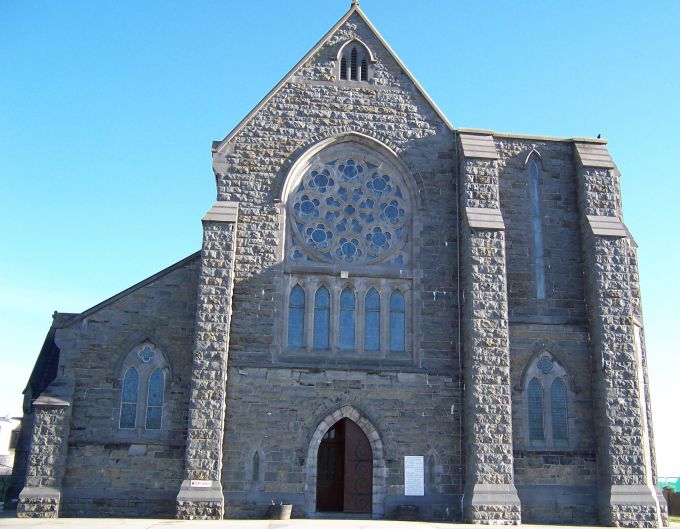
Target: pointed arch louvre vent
354, 62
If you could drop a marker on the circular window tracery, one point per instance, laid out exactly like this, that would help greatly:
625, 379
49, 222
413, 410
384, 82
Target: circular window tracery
349, 208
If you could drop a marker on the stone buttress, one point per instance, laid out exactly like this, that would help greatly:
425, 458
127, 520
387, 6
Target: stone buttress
200, 495
42, 495
627, 495
490, 495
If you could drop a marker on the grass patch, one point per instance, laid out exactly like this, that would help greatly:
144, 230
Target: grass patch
675, 519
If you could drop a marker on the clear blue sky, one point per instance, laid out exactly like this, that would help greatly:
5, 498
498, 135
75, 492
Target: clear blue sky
108, 110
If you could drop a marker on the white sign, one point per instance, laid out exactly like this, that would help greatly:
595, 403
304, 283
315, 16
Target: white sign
414, 476
201, 483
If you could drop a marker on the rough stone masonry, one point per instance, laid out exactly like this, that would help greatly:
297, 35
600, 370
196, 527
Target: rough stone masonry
468, 299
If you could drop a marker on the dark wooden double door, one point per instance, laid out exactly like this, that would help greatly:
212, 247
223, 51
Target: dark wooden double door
344, 480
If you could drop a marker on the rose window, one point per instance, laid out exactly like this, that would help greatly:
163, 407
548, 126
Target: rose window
349, 210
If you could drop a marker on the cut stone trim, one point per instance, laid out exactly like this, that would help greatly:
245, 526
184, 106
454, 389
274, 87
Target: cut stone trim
478, 146
607, 226
485, 218
379, 469
594, 155
222, 211
200, 495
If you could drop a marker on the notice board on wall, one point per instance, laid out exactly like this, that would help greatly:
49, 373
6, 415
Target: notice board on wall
414, 476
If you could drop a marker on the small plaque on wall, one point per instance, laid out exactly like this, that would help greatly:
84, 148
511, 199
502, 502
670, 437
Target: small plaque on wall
414, 476
201, 483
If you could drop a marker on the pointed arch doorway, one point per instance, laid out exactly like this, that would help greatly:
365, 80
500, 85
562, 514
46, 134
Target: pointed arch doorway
379, 474
344, 470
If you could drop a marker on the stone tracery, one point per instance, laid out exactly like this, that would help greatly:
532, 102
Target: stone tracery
349, 209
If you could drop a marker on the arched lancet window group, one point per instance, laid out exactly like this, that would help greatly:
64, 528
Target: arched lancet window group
547, 398
348, 280
375, 312
143, 390
354, 61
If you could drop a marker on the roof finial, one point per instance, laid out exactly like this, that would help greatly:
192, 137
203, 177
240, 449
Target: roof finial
355, 3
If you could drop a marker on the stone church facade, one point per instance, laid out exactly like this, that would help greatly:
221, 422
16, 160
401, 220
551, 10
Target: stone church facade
388, 314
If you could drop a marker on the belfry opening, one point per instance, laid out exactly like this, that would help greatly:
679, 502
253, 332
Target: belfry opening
344, 470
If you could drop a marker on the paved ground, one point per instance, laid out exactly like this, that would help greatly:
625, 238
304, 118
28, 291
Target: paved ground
7, 522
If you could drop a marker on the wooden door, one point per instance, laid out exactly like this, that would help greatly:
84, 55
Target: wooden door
330, 470
358, 493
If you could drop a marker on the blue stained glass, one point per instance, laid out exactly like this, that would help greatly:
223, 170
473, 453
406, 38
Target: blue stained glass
397, 322
128, 408
307, 206
536, 432
128, 415
296, 317
156, 388
145, 355
153, 417
347, 319
321, 318
256, 466
558, 405
372, 321
130, 385
349, 196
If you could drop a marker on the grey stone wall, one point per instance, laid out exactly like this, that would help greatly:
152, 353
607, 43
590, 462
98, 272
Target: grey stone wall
546, 479
564, 302
203, 460
110, 472
275, 411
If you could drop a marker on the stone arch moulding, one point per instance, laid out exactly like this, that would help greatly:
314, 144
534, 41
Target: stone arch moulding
296, 171
534, 155
369, 52
132, 343
379, 469
540, 349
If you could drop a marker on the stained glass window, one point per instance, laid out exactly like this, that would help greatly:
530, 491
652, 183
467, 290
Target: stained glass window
154, 401
372, 321
128, 407
347, 319
350, 210
537, 229
397, 321
322, 319
558, 406
536, 432
296, 317
256, 466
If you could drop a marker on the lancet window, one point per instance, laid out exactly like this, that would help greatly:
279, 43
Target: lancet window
143, 389
547, 397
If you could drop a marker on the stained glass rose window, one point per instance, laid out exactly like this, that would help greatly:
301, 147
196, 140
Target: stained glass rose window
349, 209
